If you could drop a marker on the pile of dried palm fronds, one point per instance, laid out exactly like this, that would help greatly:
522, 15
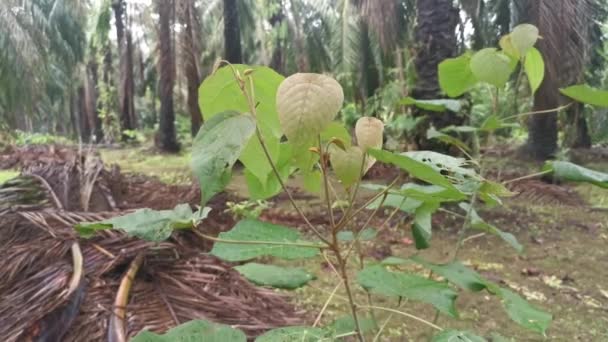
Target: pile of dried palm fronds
59, 287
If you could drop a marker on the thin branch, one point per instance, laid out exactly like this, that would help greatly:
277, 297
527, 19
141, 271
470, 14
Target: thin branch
534, 175
557, 109
419, 319
329, 299
246, 242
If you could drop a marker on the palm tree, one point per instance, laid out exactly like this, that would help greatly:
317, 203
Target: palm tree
564, 26
41, 45
166, 139
435, 37
190, 52
125, 50
232, 32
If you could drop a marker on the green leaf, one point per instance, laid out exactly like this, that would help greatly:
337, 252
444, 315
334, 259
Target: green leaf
570, 172
379, 280
336, 130
422, 226
216, 148
491, 66
506, 44
520, 311
585, 94
366, 234
457, 336
148, 224
430, 193
275, 276
479, 224
457, 274
346, 164
524, 37
307, 103
271, 186
432, 133
196, 330
535, 68
439, 105
455, 75
414, 167
312, 181
456, 167
220, 92
491, 192
257, 231
293, 334
346, 324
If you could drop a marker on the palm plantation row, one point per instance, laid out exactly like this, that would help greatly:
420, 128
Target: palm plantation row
99, 70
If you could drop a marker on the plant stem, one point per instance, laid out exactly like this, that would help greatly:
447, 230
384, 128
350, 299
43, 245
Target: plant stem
347, 218
351, 301
545, 111
329, 299
419, 319
323, 164
534, 175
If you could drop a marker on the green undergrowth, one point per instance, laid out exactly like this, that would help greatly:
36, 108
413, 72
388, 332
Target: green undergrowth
561, 271
169, 168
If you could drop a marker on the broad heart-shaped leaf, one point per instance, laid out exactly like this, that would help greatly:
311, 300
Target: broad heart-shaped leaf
571, 172
421, 228
263, 189
535, 68
491, 66
307, 104
192, 331
216, 148
585, 94
524, 37
457, 336
438, 105
293, 334
346, 164
275, 276
520, 311
369, 132
506, 44
379, 280
259, 232
414, 167
455, 75
479, 224
148, 224
456, 273
220, 92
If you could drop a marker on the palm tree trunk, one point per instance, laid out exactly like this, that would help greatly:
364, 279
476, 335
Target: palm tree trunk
125, 52
166, 138
436, 40
232, 32
564, 29
190, 53
91, 96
